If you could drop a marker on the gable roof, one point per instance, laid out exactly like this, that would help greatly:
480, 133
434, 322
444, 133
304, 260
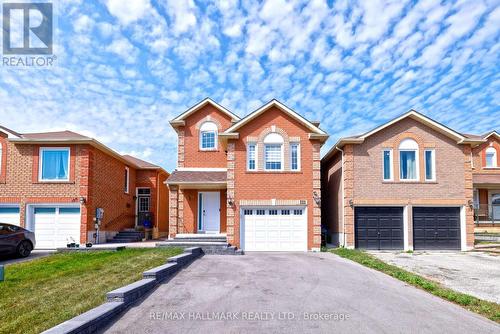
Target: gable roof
413, 114
179, 120
316, 132
491, 133
70, 137
9, 131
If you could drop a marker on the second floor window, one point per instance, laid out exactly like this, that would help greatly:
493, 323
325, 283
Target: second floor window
430, 165
127, 180
491, 157
54, 164
208, 136
387, 164
273, 152
252, 157
294, 156
408, 164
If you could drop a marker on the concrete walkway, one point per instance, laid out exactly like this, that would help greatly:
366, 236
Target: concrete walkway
292, 293
473, 273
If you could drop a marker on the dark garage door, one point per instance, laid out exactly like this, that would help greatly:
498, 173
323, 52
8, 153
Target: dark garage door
378, 227
436, 228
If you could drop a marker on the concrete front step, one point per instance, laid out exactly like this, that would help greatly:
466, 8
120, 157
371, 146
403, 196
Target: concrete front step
213, 248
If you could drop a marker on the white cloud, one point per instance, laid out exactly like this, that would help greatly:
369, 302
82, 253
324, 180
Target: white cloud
128, 11
123, 48
183, 14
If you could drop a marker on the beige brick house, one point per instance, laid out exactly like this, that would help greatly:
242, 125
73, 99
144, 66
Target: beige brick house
408, 184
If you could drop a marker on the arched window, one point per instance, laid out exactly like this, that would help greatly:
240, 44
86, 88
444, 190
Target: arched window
408, 160
273, 151
491, 157
208, 136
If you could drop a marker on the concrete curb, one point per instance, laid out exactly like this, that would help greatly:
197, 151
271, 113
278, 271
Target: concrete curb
118, 300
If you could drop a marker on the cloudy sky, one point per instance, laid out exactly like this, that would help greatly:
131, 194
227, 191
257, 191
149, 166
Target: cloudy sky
125, 68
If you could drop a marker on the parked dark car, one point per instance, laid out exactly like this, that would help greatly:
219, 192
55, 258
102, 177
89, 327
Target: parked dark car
16, 240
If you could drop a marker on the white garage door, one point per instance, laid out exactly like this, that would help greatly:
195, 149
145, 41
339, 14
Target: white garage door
10, 215
274, 229
56, 226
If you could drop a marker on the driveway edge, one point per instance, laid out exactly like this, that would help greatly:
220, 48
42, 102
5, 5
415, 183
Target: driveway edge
120, 299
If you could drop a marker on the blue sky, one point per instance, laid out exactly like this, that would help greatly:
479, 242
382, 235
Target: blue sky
125, 68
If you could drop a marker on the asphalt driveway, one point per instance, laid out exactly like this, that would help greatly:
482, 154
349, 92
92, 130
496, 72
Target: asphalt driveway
292, 293
474, 273
35, 254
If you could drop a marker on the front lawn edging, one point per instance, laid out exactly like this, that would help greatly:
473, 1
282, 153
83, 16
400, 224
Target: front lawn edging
120, 299
482, 307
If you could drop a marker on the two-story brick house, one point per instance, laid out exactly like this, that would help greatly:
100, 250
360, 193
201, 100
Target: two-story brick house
486, 179
255, 179
52, 183
407, 184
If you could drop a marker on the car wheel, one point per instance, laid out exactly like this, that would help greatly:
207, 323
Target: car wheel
24, 248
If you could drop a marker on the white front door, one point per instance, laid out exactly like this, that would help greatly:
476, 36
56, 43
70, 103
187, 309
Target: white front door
55, 226
210, 212
274, 229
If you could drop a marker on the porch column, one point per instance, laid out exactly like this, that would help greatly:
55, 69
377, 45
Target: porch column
348, 195
172, 207
317, 190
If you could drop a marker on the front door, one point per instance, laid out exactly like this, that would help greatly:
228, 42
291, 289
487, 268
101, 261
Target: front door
209, 213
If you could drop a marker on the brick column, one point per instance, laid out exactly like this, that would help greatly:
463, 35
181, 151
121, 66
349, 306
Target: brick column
85, 175
348, 176
317, 190
469, 195
230, 209
180, 212
172, 210
180, 147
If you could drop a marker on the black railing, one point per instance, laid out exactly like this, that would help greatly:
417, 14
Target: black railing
484, 213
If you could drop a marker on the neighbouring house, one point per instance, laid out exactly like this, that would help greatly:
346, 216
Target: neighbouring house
408, 184
255, 180
52, 183
486, 179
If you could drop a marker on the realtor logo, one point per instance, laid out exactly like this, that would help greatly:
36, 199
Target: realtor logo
27, 28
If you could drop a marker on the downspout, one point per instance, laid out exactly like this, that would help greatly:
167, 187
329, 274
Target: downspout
342, 191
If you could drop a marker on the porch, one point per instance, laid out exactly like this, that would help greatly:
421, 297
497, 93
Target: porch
197, 203
487, 204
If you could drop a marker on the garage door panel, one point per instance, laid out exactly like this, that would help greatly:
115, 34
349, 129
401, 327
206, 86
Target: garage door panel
56, 226
276, 230
436, 228
10, 215
379, 227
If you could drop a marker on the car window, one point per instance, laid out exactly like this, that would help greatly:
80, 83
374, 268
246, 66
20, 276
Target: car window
7, 229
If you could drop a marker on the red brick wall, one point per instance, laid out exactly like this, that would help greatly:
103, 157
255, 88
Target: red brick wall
20, 183
193, 156
331, 202
277, 185
107, 192
479, 156
191, 210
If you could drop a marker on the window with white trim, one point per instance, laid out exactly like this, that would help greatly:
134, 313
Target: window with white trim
297, 212
252, 156
491, 157
247, 212
273, 152
430, 165
387, 165
127, 180
260, 212
208, 136
295, 156
408, 160
54, 164
273, 212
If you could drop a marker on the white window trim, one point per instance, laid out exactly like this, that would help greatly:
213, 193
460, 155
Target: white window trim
391, 165
495, 158
40, 163
282, 157
255, 158
127, 187
299, 167
417, 162
216, 139
433, 155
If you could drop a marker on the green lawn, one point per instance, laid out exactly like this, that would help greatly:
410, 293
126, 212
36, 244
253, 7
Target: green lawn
39, 294
482, 307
